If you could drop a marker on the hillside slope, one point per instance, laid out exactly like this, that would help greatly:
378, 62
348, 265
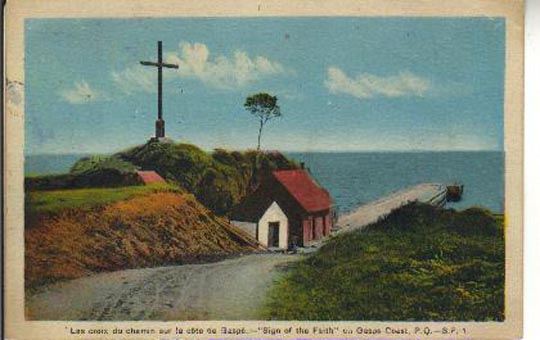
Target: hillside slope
420, 263
154, 229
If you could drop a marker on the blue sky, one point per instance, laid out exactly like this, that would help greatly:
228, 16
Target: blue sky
343, 84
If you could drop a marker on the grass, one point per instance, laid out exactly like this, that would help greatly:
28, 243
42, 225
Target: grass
56, 200
418, 264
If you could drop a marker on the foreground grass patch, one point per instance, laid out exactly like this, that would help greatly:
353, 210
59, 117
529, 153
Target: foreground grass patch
420, 263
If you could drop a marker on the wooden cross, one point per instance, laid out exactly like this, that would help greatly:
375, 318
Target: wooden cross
160, 123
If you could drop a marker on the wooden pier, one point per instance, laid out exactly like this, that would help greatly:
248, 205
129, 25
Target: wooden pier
434, 194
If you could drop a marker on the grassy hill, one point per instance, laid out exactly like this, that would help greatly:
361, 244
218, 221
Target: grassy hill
218, 179
73, 233
420, 263
99, 218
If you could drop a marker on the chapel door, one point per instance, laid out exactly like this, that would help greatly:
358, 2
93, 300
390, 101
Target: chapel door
273, 234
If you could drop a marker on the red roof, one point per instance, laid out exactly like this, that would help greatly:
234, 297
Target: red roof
150, 177
304, 189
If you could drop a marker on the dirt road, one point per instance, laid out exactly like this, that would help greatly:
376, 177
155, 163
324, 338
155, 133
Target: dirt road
229, 290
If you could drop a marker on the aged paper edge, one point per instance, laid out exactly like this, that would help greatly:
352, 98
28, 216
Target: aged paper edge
17, 11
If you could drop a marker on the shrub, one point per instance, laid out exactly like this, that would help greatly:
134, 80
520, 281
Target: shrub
88, 172
475, 221
98, 178
98, 162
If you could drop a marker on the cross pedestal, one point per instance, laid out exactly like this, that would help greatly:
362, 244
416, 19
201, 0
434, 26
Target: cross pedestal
160, 128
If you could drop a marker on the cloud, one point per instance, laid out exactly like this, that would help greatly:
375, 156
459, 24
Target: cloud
195, 62
367, 85
239, 70
136, 78
82, 93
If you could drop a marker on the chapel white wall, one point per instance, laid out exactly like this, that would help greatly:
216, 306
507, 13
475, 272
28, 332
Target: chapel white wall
274, 214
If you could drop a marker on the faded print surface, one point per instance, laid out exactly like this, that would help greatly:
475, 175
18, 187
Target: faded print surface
380, 121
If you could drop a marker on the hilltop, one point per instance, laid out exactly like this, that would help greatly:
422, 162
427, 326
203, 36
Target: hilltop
218, 179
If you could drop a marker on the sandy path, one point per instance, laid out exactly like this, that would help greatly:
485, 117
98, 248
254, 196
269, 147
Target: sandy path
227, 290
371, 212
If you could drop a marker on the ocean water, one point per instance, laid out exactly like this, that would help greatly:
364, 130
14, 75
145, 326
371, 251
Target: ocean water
46, 164
358, 178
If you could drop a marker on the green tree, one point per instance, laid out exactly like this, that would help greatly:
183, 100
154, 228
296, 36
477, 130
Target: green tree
263, 107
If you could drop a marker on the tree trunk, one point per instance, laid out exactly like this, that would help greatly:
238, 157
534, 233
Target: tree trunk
259, 138
255, 171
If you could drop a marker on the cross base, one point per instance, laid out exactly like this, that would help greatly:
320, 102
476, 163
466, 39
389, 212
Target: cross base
160, 128
161, 140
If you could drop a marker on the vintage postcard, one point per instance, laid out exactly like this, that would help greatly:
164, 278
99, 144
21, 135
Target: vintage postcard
263, 169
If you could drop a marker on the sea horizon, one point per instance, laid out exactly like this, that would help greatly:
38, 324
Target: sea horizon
30, 167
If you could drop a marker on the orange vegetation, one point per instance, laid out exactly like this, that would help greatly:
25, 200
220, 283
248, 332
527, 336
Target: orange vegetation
157, 229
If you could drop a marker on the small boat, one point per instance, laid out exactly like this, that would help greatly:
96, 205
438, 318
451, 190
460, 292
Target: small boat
454, 192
